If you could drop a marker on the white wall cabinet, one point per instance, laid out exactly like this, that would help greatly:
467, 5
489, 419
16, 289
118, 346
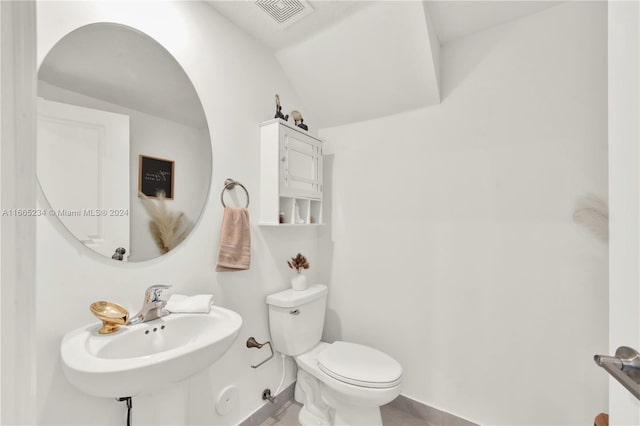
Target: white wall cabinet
290, 175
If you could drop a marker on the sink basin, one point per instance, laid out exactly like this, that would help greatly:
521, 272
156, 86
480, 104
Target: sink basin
147, 357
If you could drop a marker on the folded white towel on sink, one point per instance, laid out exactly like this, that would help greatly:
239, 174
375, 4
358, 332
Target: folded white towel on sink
180, 304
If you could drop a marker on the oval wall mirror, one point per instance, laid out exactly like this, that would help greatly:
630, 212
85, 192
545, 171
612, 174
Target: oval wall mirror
124, 152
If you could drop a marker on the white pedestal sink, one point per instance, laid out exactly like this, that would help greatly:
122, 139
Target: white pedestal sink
147, 357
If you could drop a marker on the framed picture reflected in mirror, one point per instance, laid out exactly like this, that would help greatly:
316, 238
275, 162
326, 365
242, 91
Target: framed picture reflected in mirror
156, 175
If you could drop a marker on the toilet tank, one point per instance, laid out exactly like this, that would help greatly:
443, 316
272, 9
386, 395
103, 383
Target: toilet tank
296, 318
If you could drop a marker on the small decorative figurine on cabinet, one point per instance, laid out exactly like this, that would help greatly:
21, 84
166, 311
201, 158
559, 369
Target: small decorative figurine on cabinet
279, 110
298, 120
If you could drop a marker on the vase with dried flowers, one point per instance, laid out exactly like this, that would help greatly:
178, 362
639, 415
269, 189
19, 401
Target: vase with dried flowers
298, 282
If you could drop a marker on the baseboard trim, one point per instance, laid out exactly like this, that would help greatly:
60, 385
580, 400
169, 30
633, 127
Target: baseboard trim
269, 410
431, 415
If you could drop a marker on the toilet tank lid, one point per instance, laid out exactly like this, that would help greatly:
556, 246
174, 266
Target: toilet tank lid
290, 298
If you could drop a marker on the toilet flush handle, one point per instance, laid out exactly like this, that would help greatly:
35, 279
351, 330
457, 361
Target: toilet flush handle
295, 312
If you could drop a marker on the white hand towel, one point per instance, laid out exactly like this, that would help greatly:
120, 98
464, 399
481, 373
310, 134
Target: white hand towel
179, 303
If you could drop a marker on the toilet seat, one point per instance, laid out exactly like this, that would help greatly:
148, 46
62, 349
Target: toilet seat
360, 365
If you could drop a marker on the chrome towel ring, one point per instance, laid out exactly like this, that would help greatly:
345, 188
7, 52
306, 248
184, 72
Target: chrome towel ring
230, 184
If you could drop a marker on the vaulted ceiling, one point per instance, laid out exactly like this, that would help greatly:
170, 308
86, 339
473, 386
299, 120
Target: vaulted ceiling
348, 60
376, 62
357, 60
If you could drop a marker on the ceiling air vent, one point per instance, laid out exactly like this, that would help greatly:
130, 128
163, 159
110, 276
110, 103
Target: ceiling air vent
285, 12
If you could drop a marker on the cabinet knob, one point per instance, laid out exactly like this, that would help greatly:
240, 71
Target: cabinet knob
283, 159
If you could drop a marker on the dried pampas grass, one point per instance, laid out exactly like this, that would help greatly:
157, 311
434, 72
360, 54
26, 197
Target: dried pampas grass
168, 229
593, 213
298, 263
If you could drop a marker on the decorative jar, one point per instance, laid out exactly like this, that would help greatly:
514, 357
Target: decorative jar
299, 282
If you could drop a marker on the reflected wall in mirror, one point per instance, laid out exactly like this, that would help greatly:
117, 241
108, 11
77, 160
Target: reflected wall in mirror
107, 95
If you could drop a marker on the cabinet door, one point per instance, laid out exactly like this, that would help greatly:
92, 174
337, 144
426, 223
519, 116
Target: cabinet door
300, 165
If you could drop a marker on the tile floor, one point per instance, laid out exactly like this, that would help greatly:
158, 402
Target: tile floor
391, 416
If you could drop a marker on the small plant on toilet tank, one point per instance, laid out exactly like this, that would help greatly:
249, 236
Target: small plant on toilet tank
299, 282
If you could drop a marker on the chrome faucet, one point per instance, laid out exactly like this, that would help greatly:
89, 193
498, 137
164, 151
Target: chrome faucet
153, 307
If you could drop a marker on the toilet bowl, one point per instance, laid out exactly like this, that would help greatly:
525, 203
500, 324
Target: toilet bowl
338, 383
352, 391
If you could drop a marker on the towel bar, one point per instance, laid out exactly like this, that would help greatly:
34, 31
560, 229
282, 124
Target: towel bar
230, 184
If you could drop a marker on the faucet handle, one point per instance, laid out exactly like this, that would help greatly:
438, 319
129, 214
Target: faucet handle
153, 293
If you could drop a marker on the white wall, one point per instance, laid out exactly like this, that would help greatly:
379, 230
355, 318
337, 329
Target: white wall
236, 79
624, 195
189, 148
18, 245
452, 245
154, 136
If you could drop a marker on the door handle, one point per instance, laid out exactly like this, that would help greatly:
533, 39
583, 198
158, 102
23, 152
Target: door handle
624, 367
119, 253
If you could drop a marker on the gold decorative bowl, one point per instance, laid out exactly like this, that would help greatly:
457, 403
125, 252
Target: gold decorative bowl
111, 314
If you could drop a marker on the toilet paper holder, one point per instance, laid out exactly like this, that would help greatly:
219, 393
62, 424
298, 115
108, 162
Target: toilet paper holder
252, 343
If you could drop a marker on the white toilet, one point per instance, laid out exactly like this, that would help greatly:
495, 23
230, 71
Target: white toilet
339, 383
